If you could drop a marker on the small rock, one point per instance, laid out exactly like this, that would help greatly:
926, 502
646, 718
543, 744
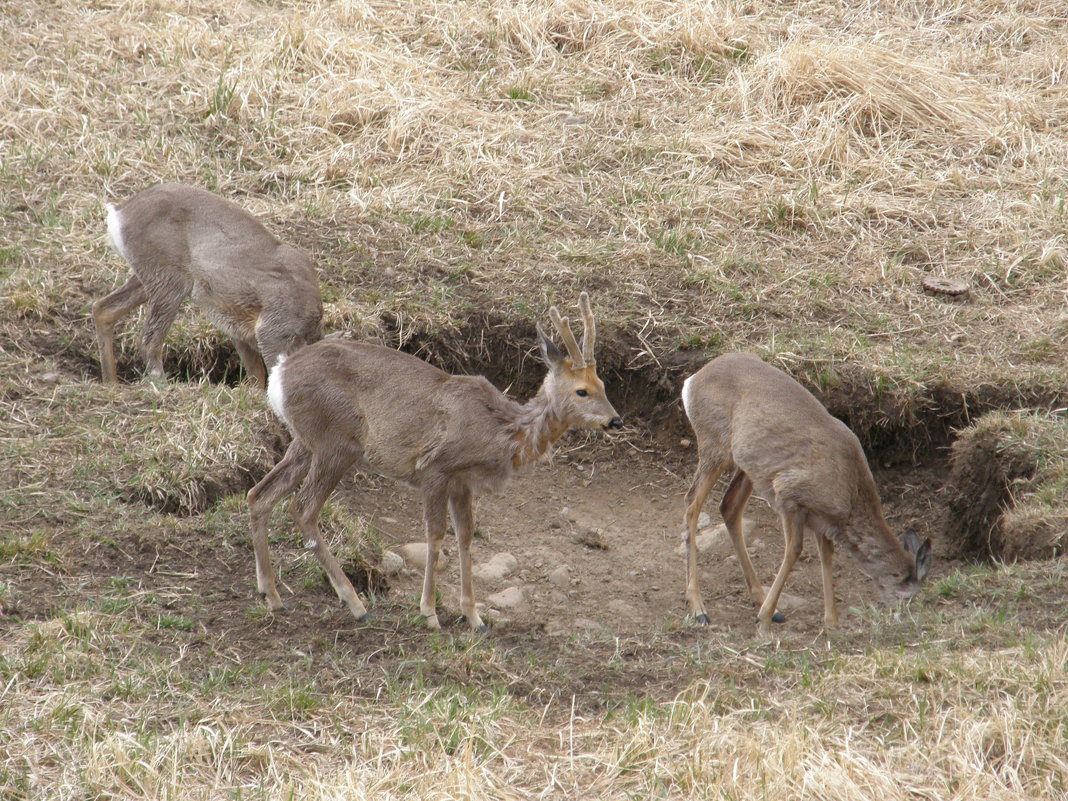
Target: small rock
510, 598
392, 563
717, 538
391, 520
561, 577
414, 554
50, 378
788, 602
497, 567
685, 443
704, 520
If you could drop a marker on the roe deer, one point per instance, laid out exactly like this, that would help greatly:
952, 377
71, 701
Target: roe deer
809, 467
181, 241
352, 404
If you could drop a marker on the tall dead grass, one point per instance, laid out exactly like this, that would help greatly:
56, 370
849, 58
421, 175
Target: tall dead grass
722, 175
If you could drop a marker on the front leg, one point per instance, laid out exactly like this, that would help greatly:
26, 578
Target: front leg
434, 500
463, 522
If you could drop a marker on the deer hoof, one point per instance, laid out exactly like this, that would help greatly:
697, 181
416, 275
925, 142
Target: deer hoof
778, 617
276, 608
366, 617
431, 622
702, 619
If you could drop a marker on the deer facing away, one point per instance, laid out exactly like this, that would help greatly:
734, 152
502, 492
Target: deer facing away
784, 445
180, 241
452, 437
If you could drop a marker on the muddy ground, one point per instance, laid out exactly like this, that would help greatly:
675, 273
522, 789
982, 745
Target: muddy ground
609, 508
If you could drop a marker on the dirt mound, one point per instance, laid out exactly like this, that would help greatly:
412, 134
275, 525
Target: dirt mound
992, 468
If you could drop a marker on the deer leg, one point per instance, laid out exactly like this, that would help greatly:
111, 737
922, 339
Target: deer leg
731, 507
106, 313
434, 503
463, 523
162, 309
323, 476
830, 609
703, 481
282, 480
793, 530
252, 361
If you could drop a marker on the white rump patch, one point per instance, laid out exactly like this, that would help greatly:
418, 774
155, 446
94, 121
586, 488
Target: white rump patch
114, 223
687, 391
276, 394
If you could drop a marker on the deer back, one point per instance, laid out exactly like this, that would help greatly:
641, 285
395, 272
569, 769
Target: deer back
793, 450
233, 266
397, 414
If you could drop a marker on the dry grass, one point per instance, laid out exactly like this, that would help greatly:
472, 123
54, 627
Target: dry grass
769, 176
721, 175
90, 711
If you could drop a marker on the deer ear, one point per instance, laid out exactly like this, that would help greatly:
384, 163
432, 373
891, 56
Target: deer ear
924, 557
921, 551
550, 354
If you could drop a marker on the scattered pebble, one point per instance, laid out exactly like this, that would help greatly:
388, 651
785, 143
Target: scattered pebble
392, 563
511, 598
414, 554
561, 576
499, 566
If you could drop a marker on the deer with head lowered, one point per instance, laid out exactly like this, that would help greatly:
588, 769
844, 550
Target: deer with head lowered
181, 241
783, 445
352, 404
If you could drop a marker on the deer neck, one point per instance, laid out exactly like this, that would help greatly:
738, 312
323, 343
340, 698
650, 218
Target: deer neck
878, 549
539, 424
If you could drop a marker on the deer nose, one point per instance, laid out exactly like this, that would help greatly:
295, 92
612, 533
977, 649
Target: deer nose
615, 423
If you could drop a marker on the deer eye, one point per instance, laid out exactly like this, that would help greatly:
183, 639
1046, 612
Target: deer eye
581, 393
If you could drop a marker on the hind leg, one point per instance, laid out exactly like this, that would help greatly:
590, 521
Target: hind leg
252, 361
106, 313
283, 479
830, 607
435, 500
161, 313
323, 476
731, 507
463, 523
703, 481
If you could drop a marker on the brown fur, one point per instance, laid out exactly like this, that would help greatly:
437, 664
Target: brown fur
181, 241
783, 445
452, 437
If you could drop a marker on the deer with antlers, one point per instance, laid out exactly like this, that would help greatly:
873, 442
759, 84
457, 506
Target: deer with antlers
783, 445
452, 437
180, 241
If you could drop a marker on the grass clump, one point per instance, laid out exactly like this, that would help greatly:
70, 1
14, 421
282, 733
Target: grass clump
1008, 482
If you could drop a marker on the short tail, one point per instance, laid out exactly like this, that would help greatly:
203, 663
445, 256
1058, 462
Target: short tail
276, 393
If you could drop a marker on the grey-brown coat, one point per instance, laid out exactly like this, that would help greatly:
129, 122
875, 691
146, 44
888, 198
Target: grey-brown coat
181, 241
451, 437
783, 445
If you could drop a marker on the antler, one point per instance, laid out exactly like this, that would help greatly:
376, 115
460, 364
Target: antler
563, 327
589, 329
